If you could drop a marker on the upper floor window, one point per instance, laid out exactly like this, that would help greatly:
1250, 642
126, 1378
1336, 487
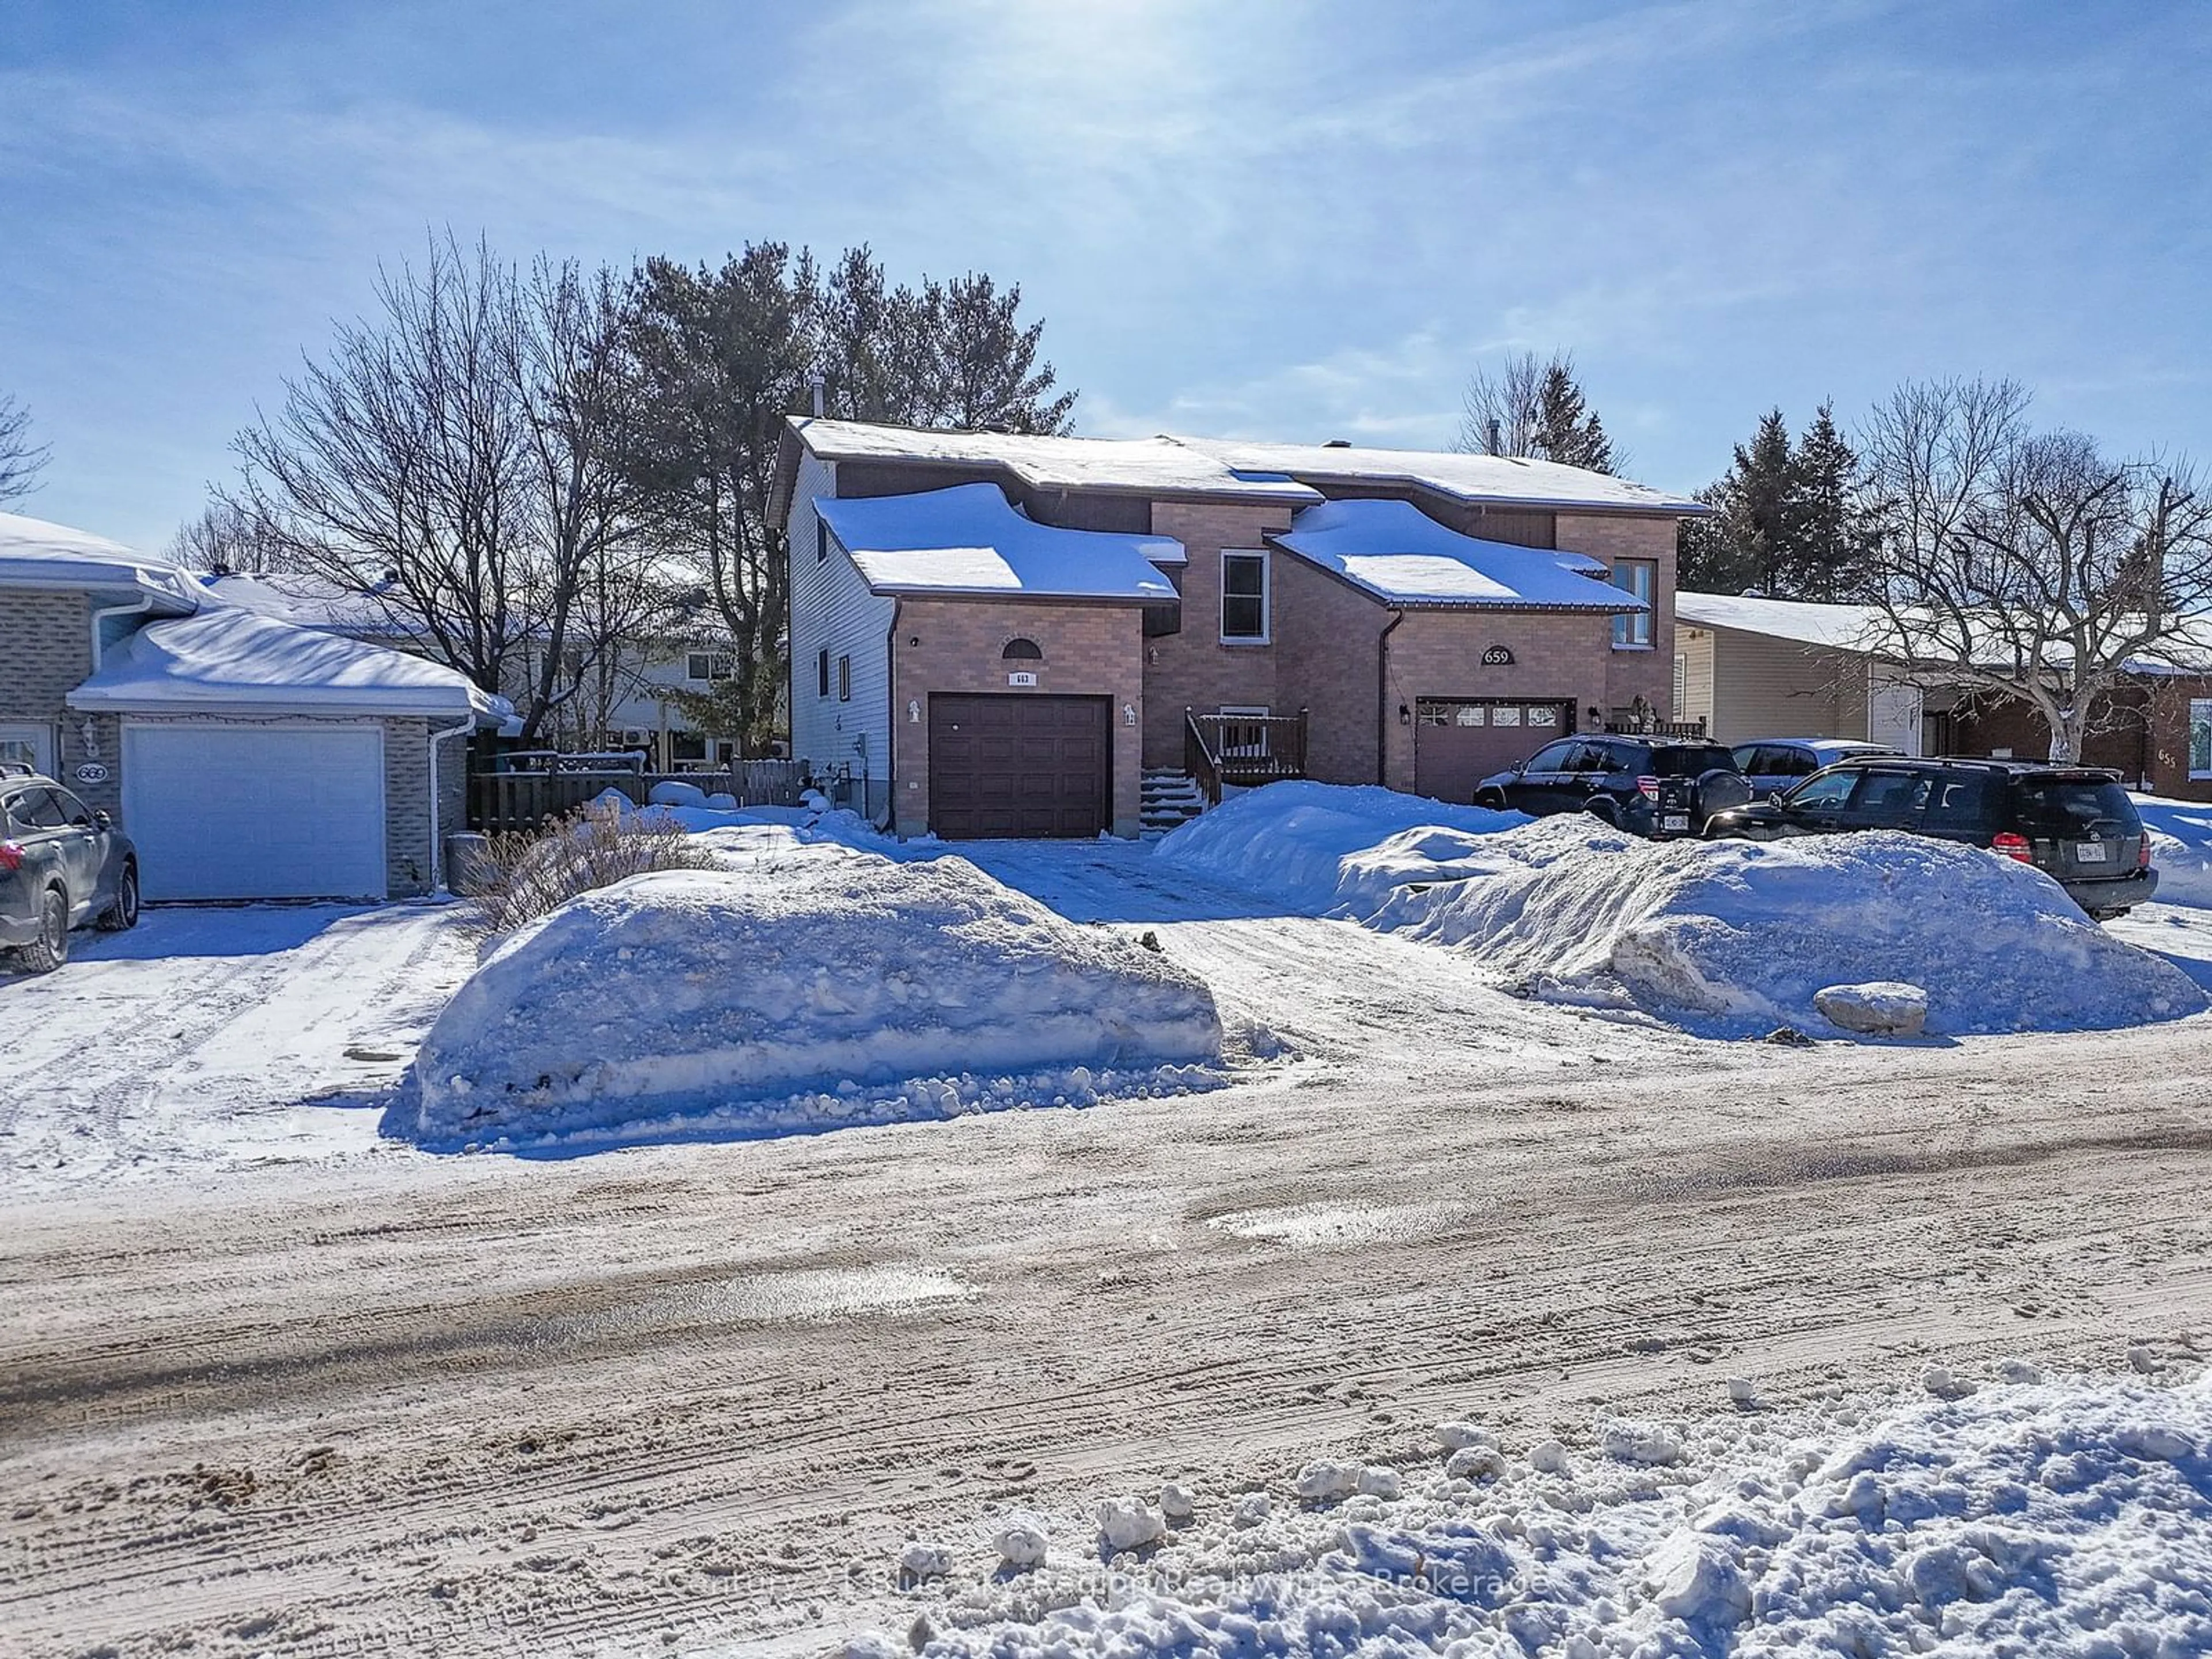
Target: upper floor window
1639, 578
1244, 598
821, 540
1022, 651
705, 665
844, 679
822, 672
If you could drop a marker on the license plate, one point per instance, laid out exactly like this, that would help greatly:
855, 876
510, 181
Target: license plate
2088, 851
1680, 821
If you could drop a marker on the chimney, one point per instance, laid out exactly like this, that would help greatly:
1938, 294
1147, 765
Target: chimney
815, 385
1489, 433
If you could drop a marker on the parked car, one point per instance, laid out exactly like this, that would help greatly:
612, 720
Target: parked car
62, 865
1661, 787
1774, 764
2074, 823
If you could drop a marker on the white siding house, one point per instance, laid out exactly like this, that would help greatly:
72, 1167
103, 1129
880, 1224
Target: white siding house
841, 694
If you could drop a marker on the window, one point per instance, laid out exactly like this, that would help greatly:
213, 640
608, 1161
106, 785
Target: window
821, 541
705, 665
2200, 738
844, 679
74, 811
1022, 651
38, 808
1244, 598
1556, 758
822, 673
1830, 790
1639, 579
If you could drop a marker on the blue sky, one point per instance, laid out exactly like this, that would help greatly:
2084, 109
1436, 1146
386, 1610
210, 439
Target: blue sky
1278, 219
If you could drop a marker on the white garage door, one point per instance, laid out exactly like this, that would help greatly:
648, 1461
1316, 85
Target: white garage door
256, 811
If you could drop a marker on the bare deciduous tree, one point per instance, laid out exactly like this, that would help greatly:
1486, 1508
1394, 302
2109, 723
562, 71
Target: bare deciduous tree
20, 460
2026, 564
224, 539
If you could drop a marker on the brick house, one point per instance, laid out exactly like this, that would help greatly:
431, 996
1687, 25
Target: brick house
244, 757
993, 633
1754, 668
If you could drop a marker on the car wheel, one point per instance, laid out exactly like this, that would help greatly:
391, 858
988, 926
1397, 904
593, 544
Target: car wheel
1603, 809
2110, 916
50, 949
122, 916
1493, 798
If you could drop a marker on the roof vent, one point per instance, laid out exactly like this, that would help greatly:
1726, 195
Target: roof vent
1338, 443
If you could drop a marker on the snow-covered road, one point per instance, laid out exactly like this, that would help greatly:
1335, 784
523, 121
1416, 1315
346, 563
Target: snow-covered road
674, 1395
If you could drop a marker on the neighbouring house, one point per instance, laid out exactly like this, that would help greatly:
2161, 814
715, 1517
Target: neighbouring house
998, 634
1752, 667
641, 711
245, 757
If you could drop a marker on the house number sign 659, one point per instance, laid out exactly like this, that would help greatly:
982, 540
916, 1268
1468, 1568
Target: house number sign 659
1496, 656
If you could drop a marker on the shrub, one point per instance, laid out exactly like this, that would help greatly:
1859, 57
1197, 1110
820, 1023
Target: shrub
526, 874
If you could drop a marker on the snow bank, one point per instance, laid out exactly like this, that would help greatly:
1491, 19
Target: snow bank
800, 971
1290, 841
2181, 849
1724, 937
2070, 1519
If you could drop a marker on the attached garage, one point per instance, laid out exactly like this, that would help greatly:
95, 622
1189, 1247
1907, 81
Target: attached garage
252, 759
1005, 764
229, 810
1459, 741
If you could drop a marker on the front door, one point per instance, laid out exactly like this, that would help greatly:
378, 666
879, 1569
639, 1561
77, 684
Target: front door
29, 745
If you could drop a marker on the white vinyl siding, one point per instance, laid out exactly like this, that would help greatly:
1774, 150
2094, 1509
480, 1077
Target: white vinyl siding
832, 611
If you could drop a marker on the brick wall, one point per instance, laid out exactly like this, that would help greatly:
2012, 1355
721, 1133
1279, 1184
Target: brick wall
1192, 669
1090, 650
1634, 673
2128, 743
1438, 653
1327, 635
46, 653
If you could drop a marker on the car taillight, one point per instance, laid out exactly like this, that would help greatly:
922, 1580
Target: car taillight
2012, 846
1650, 786
11, 856
2142, 852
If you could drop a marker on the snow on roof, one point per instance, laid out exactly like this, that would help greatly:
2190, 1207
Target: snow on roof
1839, 627
309, 601
2186, 650
968, 539
1499, 480
1400, 555
227, 658
1156, 467
34, 553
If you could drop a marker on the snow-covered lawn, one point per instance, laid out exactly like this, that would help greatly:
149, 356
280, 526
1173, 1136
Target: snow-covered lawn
217, 1036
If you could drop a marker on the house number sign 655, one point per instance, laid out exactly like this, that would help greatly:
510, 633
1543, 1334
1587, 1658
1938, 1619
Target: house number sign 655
1496, 656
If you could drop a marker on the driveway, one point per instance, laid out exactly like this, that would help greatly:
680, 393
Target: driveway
217, 1036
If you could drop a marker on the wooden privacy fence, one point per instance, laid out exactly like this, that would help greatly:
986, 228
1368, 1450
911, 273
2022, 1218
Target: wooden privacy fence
526, 800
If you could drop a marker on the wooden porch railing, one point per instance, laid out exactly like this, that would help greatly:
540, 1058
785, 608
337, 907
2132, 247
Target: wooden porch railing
1656, 728
1243, 750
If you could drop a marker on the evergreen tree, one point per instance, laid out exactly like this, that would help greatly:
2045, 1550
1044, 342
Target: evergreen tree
1829, 551
1567, 430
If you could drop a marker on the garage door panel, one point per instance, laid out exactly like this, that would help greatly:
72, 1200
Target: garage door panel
237, 812
1019, 766
1459, 741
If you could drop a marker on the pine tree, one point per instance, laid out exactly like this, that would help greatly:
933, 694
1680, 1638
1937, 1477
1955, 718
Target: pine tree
1567, 431
1829, 552
1535, 407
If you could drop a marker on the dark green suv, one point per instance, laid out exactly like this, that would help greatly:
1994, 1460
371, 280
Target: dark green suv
2073, 822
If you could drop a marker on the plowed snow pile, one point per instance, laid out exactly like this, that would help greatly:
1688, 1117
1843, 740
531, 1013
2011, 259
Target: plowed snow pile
1726, 938
802, 986
2064, 1519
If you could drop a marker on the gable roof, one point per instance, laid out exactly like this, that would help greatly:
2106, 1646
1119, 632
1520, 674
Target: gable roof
1401, 555
306, 600
226, 658
968, 539
34, 553
1837, 627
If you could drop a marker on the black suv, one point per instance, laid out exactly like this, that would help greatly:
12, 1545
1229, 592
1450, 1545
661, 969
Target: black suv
61, 865
1661, 787
2073, 822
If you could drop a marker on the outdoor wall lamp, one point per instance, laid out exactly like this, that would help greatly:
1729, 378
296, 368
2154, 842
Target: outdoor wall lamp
1405, 715
1595, 712
914, 639
1128, 714
914, 711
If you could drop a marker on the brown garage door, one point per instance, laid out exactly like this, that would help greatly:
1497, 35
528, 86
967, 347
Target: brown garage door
1003, 765
1458, 742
